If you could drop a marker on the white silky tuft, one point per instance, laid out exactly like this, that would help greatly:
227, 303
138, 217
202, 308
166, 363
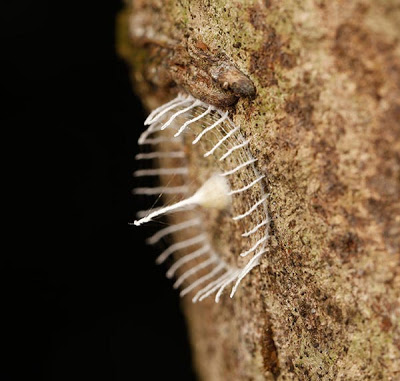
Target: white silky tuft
214, 193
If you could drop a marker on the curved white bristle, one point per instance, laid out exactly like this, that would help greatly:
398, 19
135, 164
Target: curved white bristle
216, 287
187, 258
252, 263
179, 246
149, 119
161, 171
193, 271
180, 103
233, 149
224, 284
209, 289
173, 117
160, 190
202, 279
172, 229
254, 247
220, 142
239, 167
247, 186
261, 224
145, 134
190, 121
220, 120
251, 210
160, 155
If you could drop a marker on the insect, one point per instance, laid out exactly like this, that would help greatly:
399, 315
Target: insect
210, 205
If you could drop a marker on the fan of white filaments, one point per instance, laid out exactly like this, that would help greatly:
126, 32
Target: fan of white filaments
216, 192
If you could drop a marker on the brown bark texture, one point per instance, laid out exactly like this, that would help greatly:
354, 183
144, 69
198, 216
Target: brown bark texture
324, 304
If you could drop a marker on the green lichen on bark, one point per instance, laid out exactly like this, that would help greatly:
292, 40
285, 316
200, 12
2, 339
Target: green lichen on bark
325, 128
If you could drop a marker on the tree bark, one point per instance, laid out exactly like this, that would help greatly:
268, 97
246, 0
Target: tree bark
325, 128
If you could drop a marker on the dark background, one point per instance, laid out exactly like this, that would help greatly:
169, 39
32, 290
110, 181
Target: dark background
81, 296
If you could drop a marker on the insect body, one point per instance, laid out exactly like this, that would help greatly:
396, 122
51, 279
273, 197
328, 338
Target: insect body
207, 74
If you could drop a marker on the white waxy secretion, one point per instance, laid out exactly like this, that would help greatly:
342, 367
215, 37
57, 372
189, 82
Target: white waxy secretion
234, 188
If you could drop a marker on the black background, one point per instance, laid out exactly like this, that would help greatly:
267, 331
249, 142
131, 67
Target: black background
81, 295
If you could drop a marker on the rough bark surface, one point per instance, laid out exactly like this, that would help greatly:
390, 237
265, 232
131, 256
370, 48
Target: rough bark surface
325, 127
